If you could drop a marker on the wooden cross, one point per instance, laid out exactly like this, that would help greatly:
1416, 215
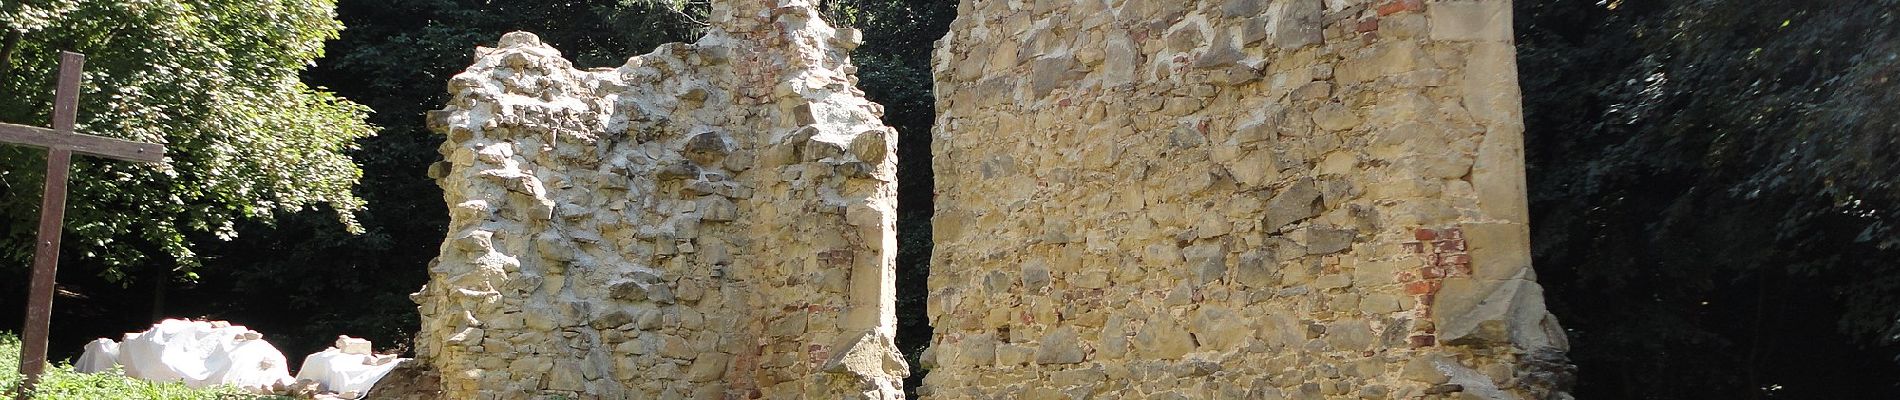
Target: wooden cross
60, 143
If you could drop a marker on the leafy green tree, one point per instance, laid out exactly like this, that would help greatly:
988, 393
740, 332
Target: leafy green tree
216, 81
1713, 188
61, 382
303, 281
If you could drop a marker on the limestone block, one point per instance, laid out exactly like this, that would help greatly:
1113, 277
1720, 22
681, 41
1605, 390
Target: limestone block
565, 376
1295, 23
350, 345
1327, 239
1206, 262
1219, 328
706, 148
1492, 312
708, 367
1294, 203
1382, 59
1162, 337
871, 146
1379, 303
1485, 20
979, 349
1059, 346
1242, 8
1222, 53
1048, 73
1427, 368
1121, 60
1256, 270
1335, 117
1350, 334
1035, 275
1498, 250
1014, 355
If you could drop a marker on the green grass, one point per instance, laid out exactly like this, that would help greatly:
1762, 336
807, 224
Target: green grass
62, 383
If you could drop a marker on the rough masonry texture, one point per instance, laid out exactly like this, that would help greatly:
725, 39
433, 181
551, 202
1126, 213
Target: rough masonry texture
710, 220
1246, 199
1234, 199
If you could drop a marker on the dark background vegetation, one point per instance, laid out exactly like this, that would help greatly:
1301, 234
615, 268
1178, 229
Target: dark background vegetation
1712, 193
1713, 185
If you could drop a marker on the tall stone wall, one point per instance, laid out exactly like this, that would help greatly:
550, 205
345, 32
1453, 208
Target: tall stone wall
1234, 199
710, 220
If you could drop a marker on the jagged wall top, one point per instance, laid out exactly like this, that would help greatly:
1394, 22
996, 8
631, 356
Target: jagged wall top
711, 219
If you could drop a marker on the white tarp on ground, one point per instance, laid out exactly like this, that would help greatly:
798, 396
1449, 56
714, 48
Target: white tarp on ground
348, 369
200, 353
206, 353
101, 355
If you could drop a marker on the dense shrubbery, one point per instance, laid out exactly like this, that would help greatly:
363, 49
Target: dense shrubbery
62, 383
1712, 187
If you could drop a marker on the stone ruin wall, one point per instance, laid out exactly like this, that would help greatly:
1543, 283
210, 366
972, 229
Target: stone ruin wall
1252, 199
710, 220
1234, 199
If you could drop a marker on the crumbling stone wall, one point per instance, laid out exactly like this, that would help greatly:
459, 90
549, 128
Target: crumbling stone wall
710, 220
1233, 199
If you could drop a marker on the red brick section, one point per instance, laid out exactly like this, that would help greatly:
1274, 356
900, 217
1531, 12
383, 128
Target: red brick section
746, 360
1443, 253
817, 354
1399, 6
1369, 24
838, 257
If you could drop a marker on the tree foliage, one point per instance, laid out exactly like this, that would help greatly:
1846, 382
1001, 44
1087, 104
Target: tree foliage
216, 81
1713, 192
302, 280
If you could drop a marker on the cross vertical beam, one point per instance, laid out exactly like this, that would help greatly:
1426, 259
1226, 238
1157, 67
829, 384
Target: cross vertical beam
60, 143
39, 303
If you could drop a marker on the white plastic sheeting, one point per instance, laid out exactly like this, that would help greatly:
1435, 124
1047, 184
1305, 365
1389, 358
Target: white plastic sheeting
348, 369
101, 355
206, 353
203, 353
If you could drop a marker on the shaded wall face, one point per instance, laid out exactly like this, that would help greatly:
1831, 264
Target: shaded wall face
1233, 199
709, 220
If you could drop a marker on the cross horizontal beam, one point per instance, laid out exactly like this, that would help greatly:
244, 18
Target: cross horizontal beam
81, 143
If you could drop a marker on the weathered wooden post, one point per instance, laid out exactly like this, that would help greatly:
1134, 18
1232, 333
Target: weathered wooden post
60, 143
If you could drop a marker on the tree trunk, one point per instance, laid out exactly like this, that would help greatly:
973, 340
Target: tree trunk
11, 45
